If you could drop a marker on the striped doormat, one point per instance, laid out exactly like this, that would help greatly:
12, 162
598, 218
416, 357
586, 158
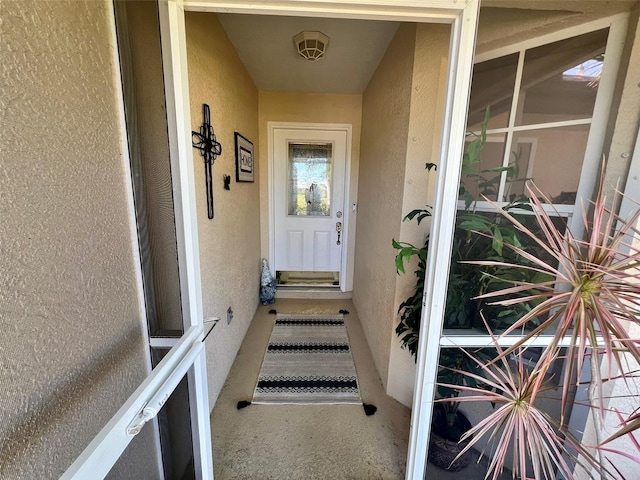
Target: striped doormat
308, 361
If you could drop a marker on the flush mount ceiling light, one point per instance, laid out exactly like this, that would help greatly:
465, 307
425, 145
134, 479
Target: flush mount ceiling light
311, 45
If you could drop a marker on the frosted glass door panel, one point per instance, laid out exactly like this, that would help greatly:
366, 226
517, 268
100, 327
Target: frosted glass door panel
309, 180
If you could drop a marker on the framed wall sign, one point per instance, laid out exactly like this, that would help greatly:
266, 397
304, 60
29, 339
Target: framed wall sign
244, 159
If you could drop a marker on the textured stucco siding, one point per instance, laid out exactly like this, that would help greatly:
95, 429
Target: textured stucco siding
423, 146
72, 347
385, 124
626, 116
500, 27
230, 243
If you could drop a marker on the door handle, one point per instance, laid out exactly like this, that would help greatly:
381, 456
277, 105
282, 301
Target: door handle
339, 230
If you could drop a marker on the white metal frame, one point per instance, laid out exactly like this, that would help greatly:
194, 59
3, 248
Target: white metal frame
126, 161
187, 356
176, 81
462, 15
142, 406
631, 198
346, 263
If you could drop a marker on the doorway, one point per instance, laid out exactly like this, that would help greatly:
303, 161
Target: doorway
462, 19
309, 179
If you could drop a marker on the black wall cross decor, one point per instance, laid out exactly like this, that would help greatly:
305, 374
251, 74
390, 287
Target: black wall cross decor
210, 148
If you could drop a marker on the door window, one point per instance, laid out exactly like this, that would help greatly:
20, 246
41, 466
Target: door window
309, 180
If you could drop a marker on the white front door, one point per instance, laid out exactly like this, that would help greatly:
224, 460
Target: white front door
309, 196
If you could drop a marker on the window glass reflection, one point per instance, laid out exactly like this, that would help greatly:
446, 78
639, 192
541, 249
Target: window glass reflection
309, 182
552, 158
560, 80
482, 179
492, 86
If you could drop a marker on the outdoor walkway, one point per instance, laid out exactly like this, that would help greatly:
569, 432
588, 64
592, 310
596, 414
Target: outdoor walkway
307, 442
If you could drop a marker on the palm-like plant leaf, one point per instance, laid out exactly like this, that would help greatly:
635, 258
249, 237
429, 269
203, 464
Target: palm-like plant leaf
537, 439
628, 426
594, 293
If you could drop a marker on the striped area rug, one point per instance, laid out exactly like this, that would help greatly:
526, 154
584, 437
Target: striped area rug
308, 361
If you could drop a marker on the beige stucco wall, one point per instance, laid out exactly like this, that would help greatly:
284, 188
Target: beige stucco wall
230, 243
626, 115
499, 27
385, 125
307, 108
423, 146
72, 347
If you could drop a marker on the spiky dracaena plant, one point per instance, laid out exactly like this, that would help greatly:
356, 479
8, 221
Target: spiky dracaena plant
540, 444
593, 299
595, 293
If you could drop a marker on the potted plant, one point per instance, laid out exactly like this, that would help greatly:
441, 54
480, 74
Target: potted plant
449, 425
592, 299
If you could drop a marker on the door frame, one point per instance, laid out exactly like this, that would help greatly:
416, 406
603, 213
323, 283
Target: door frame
176, 83
349, 228
462, 16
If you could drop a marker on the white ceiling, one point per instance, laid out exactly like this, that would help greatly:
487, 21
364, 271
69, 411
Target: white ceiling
265, 46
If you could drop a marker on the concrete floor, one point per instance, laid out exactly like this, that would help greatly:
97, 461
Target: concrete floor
311, 441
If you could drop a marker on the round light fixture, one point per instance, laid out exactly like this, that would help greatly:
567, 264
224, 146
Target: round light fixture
311, 45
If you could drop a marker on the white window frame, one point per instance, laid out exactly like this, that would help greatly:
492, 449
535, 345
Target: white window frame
496, 137
617, 25
631, 198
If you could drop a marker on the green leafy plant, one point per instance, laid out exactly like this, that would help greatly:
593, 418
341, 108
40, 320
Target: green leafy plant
466, 282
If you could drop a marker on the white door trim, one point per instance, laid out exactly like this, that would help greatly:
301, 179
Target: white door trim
348, 232
462, 15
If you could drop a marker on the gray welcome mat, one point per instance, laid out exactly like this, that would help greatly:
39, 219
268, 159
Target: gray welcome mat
308, 361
